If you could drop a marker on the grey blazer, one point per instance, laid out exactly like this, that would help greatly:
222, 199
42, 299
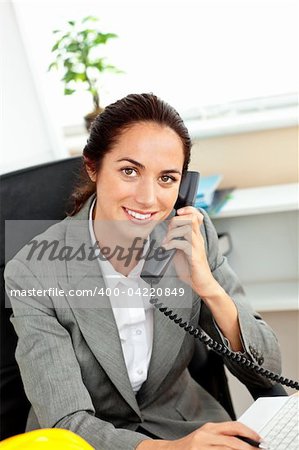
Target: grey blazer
70, 356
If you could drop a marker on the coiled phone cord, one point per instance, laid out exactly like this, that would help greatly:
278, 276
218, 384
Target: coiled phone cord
200, 334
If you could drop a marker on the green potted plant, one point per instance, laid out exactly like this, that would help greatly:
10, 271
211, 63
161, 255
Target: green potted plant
77, 55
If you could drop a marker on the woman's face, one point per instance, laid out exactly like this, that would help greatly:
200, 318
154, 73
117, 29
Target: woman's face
139, 179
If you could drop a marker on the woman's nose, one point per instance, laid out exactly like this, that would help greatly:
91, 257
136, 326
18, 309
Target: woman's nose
145, 193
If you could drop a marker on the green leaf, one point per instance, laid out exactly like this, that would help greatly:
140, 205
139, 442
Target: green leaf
91, 18
65, 36
112, 69
73, 47
71, 22
98, 64
68, 64
53, 65
79, 76
55, 46
102, 38
55, 31
111, 35
99, 39
87, 33
69, 76
68, 91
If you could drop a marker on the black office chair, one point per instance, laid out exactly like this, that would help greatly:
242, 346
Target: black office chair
42, 193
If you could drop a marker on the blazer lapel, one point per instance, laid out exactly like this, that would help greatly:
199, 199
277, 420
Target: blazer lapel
168, 339
94, 313
168, 336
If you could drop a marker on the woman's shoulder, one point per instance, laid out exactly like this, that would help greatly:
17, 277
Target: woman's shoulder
39, 255
53, 237
210, 237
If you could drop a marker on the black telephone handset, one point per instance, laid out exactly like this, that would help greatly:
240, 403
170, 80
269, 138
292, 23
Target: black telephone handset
154, 270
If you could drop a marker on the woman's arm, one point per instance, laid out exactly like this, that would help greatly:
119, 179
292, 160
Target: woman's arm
225, 313
259, 342
208, 437
193, 258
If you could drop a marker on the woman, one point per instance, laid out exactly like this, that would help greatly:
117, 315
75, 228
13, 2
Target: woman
109, 366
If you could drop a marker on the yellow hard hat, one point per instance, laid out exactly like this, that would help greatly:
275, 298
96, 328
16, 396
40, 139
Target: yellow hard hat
46, 439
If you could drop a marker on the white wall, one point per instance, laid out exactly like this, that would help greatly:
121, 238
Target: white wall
28, 137
191, 53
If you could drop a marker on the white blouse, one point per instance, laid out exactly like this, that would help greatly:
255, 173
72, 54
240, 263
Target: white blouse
133, 313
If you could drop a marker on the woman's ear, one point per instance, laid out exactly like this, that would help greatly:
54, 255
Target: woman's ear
88, 167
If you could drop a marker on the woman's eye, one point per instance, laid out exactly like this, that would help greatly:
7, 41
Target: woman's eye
167, 179
128, 171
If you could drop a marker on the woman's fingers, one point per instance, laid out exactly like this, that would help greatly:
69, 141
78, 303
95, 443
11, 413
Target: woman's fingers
182, 231
225, 434
234, 443
188, 214
211, 436
239, 429
190, 210
183, 245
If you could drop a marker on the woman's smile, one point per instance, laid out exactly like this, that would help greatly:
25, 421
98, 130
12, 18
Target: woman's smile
139, 217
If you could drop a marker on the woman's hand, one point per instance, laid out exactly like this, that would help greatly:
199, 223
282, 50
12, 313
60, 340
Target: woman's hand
211, 436
190, 260
193, 268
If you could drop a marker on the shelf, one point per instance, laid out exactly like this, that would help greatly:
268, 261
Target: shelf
243, 122
261, 200
273, 296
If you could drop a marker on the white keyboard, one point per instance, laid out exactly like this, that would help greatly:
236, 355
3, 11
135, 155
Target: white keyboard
282, 431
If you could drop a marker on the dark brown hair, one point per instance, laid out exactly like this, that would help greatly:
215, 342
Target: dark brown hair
108, 127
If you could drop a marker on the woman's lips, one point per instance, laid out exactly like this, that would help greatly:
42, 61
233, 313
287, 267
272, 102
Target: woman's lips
138, 221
